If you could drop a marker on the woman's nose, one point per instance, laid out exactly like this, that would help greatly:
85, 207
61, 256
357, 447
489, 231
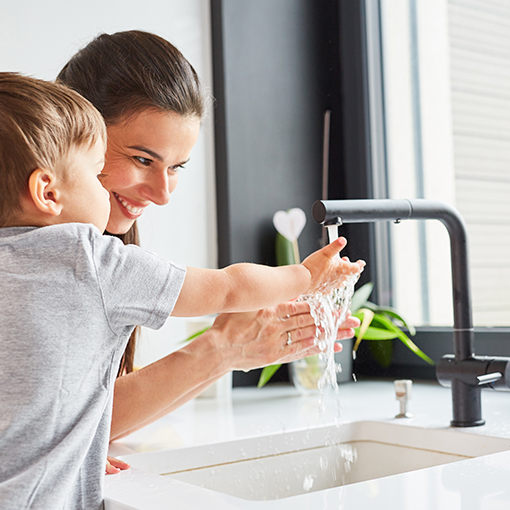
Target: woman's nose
159, 187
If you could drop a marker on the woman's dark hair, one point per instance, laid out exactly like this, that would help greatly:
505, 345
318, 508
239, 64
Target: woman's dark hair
126, 363
125, 73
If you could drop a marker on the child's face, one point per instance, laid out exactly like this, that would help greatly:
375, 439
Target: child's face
84, 198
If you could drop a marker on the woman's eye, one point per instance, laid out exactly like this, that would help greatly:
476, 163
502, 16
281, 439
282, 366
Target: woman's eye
176, 168
143, 161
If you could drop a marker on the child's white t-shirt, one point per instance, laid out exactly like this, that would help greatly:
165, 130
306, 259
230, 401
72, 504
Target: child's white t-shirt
69, 300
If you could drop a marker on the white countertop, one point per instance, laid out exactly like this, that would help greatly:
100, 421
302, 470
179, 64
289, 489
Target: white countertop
478, 483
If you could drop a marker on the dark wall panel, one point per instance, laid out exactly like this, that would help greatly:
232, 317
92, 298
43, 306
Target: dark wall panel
270, 93
278, 66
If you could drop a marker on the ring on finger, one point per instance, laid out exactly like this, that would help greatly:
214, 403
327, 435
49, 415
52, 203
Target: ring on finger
289, 339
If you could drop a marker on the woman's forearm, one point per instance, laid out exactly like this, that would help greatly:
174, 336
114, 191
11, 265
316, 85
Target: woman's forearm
138, 421
235, 341
143, 396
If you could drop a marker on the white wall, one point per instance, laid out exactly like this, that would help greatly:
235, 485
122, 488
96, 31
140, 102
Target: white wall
37, 38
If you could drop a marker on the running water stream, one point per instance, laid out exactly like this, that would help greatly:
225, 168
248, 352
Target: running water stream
329, 312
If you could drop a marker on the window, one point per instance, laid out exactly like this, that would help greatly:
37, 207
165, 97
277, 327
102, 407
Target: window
446, 95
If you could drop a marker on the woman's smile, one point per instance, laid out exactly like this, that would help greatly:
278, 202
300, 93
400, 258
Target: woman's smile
127, 207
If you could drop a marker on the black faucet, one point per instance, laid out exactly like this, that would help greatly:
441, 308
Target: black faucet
464, 372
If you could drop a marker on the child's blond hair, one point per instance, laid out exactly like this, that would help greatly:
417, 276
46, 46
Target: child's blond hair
40, 122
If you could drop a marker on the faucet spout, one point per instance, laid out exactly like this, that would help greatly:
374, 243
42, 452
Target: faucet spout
464, 371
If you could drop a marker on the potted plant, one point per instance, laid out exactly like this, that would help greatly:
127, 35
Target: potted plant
381, 324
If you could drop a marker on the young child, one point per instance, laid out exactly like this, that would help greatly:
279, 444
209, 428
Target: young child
71, 296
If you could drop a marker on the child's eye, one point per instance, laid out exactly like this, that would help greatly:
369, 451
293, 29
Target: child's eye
142, 160
177, 168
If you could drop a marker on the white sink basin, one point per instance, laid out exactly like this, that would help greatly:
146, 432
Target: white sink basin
292, 463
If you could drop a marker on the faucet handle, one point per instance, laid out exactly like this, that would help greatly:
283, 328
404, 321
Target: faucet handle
489, 378
403, 392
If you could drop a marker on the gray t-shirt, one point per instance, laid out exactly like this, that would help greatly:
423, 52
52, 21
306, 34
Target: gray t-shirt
70, 297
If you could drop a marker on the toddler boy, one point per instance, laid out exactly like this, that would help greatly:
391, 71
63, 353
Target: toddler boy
71, 296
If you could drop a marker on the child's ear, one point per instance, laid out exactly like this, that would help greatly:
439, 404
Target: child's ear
44, 193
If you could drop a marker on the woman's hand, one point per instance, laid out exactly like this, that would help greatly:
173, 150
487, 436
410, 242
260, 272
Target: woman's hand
257, 339
328, 270
235, 341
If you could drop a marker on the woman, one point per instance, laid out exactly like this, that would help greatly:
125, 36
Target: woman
152, 102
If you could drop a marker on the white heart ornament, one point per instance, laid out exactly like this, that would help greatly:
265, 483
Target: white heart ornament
290, 223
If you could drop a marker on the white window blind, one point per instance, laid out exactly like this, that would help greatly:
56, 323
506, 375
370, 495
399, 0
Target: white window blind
479, 35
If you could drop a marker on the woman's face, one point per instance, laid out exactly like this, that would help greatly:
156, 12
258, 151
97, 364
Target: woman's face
143, 158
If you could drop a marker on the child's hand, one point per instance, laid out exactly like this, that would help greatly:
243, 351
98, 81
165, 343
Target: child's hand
114, 466
328, 270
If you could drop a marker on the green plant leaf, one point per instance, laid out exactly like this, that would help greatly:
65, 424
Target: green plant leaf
377, 334
361, 296
365, 316
381, 321
194, 335
284, 251
267, 373
377, 324
393, 314
404, 338
414, 348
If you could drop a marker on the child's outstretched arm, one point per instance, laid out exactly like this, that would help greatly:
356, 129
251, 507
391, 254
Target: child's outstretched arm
245, 287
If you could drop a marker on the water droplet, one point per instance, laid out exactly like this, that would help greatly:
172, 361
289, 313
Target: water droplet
308, 483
